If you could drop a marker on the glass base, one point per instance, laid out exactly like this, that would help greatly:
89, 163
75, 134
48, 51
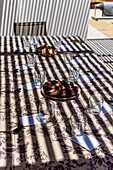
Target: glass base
31, 65
43, 119
94, 111
38, 85
77, 133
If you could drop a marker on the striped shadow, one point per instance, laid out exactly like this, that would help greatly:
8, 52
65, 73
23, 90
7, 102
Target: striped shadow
62, 17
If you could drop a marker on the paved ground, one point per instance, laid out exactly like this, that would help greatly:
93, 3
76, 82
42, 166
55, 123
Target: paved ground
100, 28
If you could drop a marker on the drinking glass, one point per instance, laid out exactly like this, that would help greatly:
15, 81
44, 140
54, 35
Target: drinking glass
95, 104
31, 59
67, 58
46, 111
26, 44
33, 42
57, 44
78, 125
74, 73
40, 78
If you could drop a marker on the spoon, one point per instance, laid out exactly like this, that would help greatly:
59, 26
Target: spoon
15, 131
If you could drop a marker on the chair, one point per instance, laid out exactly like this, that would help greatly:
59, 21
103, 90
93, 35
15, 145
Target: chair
30, 28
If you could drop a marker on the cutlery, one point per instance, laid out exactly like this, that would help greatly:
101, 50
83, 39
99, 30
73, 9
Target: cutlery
12, 62
59, 52
93, 71
15, 70
7, 132
75, 52
13, 91
15, 131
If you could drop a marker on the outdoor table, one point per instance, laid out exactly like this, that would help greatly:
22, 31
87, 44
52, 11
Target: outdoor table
49, 146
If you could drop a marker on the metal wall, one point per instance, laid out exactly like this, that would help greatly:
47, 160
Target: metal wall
63, 17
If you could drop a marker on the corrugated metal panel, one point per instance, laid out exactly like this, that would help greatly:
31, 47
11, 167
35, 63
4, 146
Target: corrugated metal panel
63, 17
101, 46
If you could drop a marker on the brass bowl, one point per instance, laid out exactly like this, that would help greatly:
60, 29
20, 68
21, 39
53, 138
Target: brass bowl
60, 98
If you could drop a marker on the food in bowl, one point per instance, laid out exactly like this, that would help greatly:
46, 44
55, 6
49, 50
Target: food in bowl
46, 50
60, 89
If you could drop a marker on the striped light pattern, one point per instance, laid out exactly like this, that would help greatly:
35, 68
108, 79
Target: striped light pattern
30, 28
101, 46
63, 17
104, 49
48, 145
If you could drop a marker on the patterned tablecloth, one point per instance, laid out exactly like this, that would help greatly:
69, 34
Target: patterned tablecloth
48, 147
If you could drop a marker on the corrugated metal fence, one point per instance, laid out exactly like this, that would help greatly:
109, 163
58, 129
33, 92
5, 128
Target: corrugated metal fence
63, 17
